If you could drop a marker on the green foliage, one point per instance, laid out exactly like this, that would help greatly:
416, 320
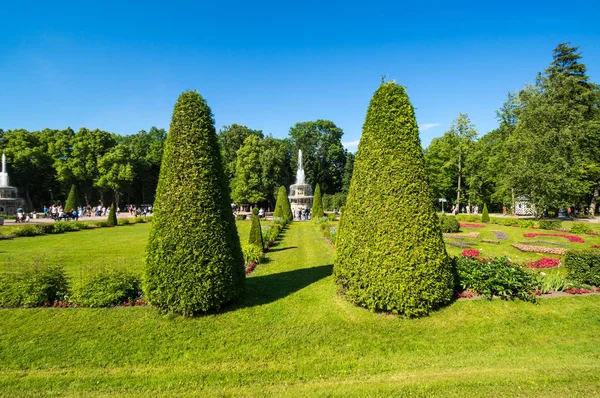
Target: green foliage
106, 288
61, 226
33, 286
468, 217
497, 277
112, 215
549, 224
247, 186
335, 201
27, 230
240, 217
252, 254
448, 224
194, 261
270, 233
551, 282
485, 216
255, 231
580, 228
390, 254
317, 206
73, 199
583, 266
525, 223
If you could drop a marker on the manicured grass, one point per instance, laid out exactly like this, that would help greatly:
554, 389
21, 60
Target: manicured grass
293, 335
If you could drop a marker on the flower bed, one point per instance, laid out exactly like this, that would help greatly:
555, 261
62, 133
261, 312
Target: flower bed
471, 225
545, 262
596, 247
579, 291
470, 253
496, 242
540, 249
462, 245
461, 236
250, 268
592, 233
571, 238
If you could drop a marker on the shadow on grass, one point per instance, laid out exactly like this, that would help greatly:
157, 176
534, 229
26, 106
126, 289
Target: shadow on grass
269, 288
283, 248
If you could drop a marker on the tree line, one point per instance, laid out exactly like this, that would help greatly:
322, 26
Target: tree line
108, 167
546, 148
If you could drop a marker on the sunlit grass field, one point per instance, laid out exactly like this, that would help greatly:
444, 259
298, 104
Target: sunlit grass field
291, 335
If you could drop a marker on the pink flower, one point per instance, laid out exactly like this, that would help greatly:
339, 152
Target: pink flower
470, 253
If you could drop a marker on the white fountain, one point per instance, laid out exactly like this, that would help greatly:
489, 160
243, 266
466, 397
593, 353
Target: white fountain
9, 201
300, 192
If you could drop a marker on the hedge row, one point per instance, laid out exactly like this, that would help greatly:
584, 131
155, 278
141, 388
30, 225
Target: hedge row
47, 285
68, 226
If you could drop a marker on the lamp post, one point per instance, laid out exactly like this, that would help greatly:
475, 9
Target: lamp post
442, 201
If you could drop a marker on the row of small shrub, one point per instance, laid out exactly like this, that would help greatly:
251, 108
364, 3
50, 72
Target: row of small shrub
67, 226
328, 228
44, 285
253, 253
576, 227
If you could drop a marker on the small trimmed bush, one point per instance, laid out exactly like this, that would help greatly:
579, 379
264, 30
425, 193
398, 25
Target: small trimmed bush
583, 266
255, 230
44, 229
526, 223
549, 224
63, 226
252, 254
390, 255
33, 286
194, 261
497, 277
580, 228
107, 288
317, 206
485, 216
240, 217
448, 224
112, 215
282, 205
27, 230
73, 199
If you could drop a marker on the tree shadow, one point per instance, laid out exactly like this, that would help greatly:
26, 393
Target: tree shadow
269, 288
282, 249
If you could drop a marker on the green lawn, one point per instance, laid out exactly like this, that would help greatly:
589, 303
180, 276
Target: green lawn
293, 335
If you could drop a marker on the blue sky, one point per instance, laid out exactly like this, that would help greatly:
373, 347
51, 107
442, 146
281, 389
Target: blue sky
120, 66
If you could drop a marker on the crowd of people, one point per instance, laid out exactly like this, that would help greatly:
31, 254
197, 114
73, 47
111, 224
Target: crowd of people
58, 213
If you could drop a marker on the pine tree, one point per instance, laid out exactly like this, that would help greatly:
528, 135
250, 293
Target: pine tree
73, 199
485, 217
256, 231
282, 206
194, 261
317, 207
112, 215
390, 255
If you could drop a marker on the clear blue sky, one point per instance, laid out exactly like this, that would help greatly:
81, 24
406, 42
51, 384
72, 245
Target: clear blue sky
120, 67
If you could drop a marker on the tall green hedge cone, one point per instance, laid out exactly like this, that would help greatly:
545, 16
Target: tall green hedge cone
112, 215
282, 206
73, 199
390, 255
317, 207
255, 231
485, 216
194, 262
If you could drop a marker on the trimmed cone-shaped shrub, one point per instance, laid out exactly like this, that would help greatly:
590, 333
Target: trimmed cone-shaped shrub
255, 231
73, 199
390, 255
317, 207
194, 261
112, 215
282, 206
485, 216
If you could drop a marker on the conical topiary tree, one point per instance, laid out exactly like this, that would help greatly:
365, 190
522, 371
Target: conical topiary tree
112, 215
485, 216
390, 255
255, 230
194, 261
282, 206
317, 207
73, 199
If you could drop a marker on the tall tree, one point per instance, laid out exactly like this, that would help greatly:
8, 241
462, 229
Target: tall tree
248, 187
231, 139
348, 169
323, 152
462, 135
116, 170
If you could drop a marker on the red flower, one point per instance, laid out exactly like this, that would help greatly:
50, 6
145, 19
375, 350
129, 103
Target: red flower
470, 253
571, 238
545, 262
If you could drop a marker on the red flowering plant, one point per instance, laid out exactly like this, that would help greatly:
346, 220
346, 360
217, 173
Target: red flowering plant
250, 268
592, 233
596, 247
545, 262
470, 253
571, 238
471, 225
